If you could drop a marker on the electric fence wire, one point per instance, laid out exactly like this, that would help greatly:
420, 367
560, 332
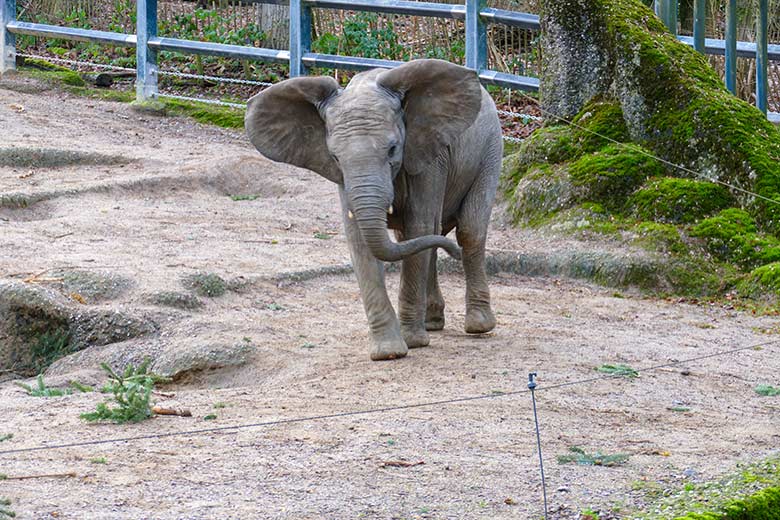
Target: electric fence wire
380, 410
76, 62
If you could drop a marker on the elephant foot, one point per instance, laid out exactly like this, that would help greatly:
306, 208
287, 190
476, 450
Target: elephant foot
392, 347
479, 320
415, 337
434, 323
434, 318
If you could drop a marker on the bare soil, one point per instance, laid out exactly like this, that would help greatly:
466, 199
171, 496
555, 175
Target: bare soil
167, 214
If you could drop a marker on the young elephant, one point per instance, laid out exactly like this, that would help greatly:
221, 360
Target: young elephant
416, 149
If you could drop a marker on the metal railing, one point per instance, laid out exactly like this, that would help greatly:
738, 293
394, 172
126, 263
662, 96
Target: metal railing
300, 57
761, 51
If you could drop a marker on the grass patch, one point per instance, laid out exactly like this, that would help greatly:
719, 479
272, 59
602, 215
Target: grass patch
223, 116
41, 390
618, 370
49, 347
6, 437
132, 391
767, 390
581, 457
4, 511
206, 284
752, 492
98, 460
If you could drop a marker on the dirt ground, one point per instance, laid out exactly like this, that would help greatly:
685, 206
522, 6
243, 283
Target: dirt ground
168, 214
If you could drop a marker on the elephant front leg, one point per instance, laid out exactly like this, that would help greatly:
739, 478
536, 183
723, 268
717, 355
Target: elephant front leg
382, 321
412, 294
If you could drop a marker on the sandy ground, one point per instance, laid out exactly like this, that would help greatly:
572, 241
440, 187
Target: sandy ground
167, 214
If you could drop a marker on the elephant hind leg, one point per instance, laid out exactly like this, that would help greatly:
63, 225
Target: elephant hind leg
473, 221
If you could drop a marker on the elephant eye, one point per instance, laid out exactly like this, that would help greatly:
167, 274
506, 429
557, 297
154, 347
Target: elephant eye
391, 151
334, 157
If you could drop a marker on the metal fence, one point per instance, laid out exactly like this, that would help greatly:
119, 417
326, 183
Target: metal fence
476, 15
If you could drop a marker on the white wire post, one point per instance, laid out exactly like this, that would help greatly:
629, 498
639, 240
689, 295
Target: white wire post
7, 38
146, 57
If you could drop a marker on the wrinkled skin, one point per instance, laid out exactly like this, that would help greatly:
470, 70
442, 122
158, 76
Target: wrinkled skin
416, 149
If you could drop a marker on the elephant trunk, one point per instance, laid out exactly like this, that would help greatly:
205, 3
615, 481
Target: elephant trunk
372, 222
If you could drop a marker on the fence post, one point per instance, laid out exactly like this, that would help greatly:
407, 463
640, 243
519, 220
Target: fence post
300, 36
762, 82
731, 46
666, 10
7, 38
146, 58
476, 36
699, 27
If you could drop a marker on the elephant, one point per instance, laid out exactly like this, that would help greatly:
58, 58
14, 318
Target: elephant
416, 149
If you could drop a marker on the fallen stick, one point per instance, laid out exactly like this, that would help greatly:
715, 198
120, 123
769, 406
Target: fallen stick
400, 463
48, 475
181, 412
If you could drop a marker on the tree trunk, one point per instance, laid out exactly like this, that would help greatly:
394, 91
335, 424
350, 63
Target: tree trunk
274, 21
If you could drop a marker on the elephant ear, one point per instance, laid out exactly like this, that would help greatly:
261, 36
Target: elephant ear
440, 101
284, 124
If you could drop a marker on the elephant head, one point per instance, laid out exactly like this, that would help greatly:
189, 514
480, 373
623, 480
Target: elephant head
363, 135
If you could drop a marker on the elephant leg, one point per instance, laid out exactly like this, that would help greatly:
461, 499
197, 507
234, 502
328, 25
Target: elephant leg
473, 222
382, 321
434, 312
412, 297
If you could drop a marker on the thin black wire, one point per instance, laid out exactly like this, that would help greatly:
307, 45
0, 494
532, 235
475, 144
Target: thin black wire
652, 156
373, 410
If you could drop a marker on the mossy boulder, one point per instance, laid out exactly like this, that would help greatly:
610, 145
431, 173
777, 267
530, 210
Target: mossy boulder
673, 103
653, 152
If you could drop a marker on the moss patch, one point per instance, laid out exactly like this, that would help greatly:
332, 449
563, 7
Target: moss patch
17, 157
611, 174
679, 201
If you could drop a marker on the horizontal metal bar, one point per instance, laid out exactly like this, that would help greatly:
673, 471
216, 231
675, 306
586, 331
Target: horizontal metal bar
511, 18
395, 7
219, 49
313, 59
505, 80
69, 33
744, 49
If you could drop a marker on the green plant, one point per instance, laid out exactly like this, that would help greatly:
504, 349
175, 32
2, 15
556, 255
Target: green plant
579, 456
41, 390
361, 35
237, 198
589, 514
618, 370
210, 417
207, 284
49, 347
4, 512
767, 390
6, 437
131, 391
98, 460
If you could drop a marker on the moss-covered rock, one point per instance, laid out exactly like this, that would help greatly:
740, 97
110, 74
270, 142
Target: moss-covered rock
672, 101
653, 141
679, 201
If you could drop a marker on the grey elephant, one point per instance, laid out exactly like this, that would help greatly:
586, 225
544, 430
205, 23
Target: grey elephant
416, 149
